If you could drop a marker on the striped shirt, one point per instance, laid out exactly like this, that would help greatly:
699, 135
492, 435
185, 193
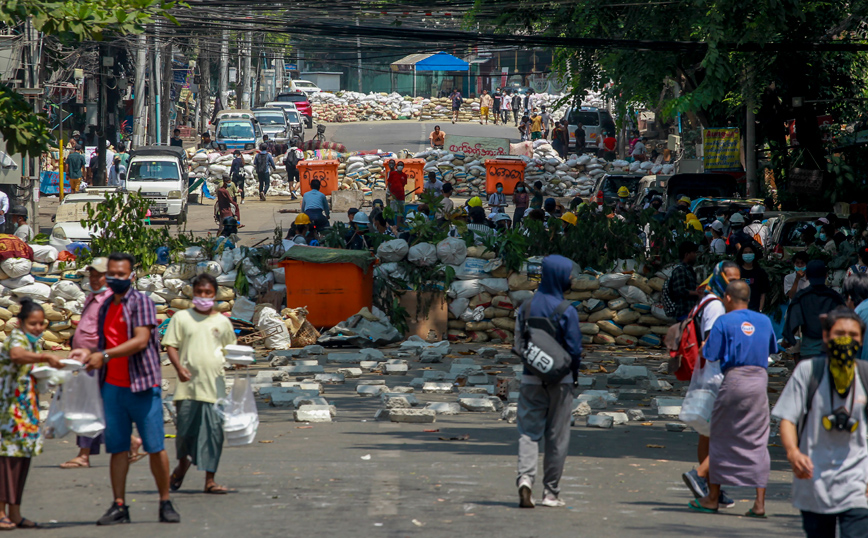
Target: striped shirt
138, 311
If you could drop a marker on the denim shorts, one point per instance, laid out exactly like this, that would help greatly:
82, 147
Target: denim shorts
123, 407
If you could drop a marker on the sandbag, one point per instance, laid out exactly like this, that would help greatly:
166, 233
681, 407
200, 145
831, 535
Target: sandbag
67, 290
454, 335
633, 294
38, 268
585, 283
578, 295
492, 312
180, 304
464, 288
520, 281
593, 305
174, 285
451, 251
618, 304
455, 324
269, 320
606, 294
639, 281
423, 255
625, 317
16, 267
494, 285
658, 312
651, 340
626, 340
656, 283
614, 280
224, 293
636, 330
471, 268
458, 306
483, 299
227, 279
500, 334
5, 314
610, 327
660, 330
244, 309
583, 316
601, 315
51, 313
44, 253
37, 291
213, 268
507, 324
18, 282
519, 297
642, 308
149, 283
477, 336
194, 254
179, 271
393, 251
503, 302
479, 252
604, 339
648, 319
589, 328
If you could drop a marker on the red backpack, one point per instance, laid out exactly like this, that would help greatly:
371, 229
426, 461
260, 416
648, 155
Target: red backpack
684, 342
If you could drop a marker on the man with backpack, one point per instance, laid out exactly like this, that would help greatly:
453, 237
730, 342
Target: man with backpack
293, 156
550, 343
680, 294
824, 429
263, 163
236, 174
755, 230
805, 311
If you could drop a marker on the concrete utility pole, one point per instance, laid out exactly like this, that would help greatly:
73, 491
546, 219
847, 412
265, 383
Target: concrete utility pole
246, 101
158, 87
753, 185
204, 89
152, 99
139, 122
167, 105
224, 68
359, 59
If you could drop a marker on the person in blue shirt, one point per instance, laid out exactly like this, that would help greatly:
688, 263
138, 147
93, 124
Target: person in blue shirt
741, 341
316, 206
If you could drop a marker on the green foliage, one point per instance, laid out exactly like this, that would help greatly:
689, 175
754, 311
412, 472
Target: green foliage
335, 236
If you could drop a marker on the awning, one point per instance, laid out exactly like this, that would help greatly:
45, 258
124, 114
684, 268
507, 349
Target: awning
440, 61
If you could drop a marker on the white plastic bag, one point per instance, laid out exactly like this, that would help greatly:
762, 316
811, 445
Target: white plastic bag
243, 309
44, 253
240, 419
55, 426
699, 402
82, 404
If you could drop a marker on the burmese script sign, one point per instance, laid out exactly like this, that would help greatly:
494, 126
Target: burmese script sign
477, 146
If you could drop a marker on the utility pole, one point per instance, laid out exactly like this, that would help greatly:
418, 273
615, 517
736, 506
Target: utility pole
224, 69
359, 57
753, 186
152, 99
139, 122
158, 88
167, 80
204, 88
246, 101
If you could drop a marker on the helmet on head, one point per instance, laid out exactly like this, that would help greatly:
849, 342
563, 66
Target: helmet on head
360, 218
623, 192
757, 210
736, 219
570, 218
476, 201
302, 220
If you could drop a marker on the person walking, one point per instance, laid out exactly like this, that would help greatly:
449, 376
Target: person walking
496, 105
456, 104
75, 168
194, 342
544, 410
129, 364
225, 203
536, 126
505, 107
741, 340
397, 185
805, 311
485, 103
558, 142
117, 173
87, 337
681, 286
755, 276
546, 121
293, 157
823, 431
236, 174
263, 164
517, 108
20, 439
797, 280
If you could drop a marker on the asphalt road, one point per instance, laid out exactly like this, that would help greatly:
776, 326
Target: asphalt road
407, 134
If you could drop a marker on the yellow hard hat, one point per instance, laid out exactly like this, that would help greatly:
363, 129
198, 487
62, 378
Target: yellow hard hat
476, 201
685, 199
689, 217
570, 218
302, 219
624, 192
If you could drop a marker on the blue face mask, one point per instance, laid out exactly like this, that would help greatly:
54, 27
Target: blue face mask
102, 289
708, 235
32, 339
500, 190
821, 237
748, 258
801, 269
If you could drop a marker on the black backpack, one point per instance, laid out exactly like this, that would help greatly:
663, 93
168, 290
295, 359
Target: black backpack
291, 158
818, 370
260, 163
539, 343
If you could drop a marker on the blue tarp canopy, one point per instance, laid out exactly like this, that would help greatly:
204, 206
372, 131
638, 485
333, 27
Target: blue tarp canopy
440, 61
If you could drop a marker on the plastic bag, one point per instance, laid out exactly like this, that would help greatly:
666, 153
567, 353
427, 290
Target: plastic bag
55, 426
270, 320
238, 411
82, 405
699, 402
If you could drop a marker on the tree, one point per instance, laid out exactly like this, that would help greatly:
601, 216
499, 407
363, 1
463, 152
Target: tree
70, 21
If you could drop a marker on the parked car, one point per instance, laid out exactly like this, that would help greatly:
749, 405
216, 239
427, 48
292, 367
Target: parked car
305, 86
609, 184
299, 99
296, 124
785, 232
67, 227
159, 173
237, 129
705, 209
273, 123
655, 182
595, 122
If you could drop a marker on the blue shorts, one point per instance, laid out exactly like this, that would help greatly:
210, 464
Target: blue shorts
122, 408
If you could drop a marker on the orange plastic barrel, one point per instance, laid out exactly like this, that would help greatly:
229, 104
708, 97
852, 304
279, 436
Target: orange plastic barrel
506, 171
332, 292
325, 171
415, 170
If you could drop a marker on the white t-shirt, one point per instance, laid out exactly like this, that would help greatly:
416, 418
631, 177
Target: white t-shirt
436, 187
638, 149
718, 246
790, 278
713, 310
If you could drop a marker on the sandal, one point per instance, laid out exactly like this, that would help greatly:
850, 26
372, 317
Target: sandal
696, 507
75, 463
136, 457
6, 524
175, 482
216, 489
751, 513
27, 524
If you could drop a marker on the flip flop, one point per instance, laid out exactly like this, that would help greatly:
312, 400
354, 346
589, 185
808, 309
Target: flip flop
74, 464
6, 524
175, 482
696, 507
216, 489
751, 513
138, 456
27, 524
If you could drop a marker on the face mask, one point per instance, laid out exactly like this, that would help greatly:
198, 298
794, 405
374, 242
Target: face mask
801, 269
32, 339
721, 219
748, 258
708, 235
203, 304
500, 189
400, 168
843, 352
821, 237
102, 289
519, 189
118, 285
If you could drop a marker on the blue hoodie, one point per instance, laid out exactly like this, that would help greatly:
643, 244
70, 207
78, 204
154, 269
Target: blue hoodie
556, 271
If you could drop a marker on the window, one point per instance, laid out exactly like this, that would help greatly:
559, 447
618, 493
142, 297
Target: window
271, 119
292, 116
235, 129
153, 171
586, 118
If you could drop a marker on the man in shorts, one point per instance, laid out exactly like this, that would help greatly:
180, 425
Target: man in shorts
485, 103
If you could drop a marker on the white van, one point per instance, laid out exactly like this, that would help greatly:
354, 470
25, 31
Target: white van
595, 121
159, 173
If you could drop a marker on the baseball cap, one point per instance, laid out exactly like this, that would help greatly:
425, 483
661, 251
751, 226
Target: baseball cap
100, 265
816, 272
302, 219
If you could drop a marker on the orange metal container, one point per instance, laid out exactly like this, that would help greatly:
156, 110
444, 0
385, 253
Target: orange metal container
415, 170
332, 292
325, 171
506, 171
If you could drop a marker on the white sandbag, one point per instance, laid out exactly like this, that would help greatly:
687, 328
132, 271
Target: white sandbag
182, 271
464, 289
149, 283
212, 268
452, 251
471, 268
18, 282
16, 267
658, 312
228, 279
37, 291
614, 280
270, 320
67, 290
520, 296
423, 255
494, 286
229, 259
473, 315
458, 306
279, 275
194, 254
44, 253
175, 285
393, 251
633, 295
244, 309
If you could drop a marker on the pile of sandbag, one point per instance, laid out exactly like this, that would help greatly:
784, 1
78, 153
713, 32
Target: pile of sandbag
354, 106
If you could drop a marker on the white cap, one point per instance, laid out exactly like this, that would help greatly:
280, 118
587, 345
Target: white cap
717, 226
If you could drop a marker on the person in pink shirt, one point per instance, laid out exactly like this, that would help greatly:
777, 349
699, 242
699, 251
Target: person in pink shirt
86, 336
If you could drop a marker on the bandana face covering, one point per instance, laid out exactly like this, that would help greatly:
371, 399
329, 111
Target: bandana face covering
842, 362
717, 282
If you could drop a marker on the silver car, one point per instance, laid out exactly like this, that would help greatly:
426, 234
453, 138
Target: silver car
273, 123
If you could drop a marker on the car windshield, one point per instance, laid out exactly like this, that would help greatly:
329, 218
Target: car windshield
300, 84
235, 129
584, 117
791, 233
292, 116
153, 171
293, 98
612, 183
271, 119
